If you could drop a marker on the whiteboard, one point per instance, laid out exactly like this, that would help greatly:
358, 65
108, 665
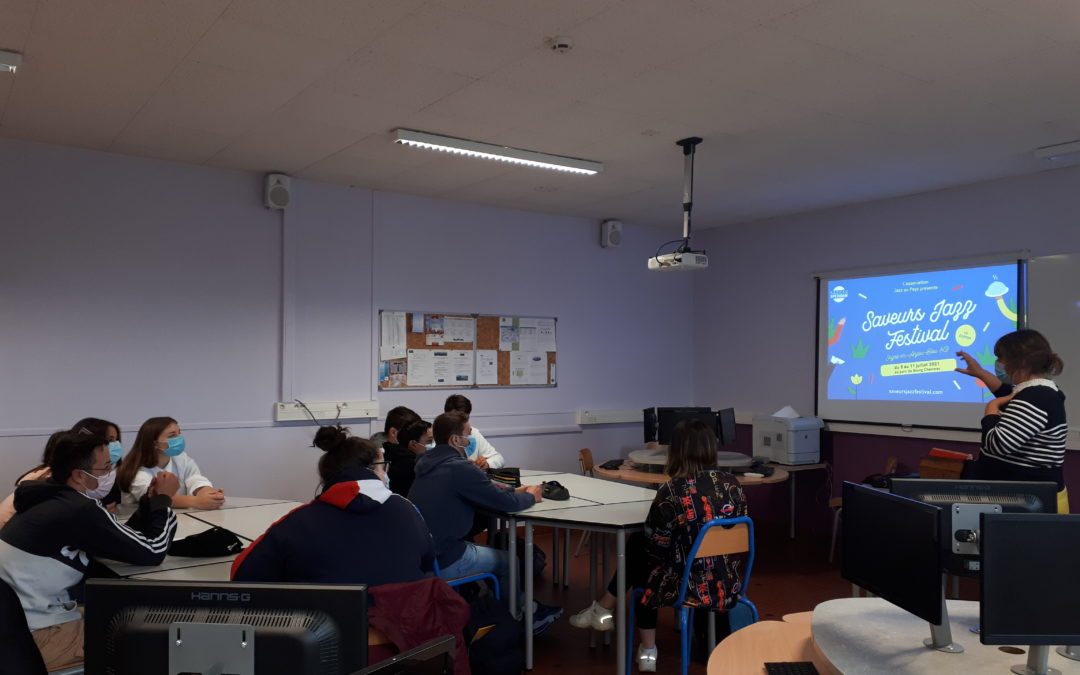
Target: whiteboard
1054, 311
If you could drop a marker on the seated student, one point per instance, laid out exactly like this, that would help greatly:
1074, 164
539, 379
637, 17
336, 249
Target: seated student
448, 489
98, 427
413, 440
355, 532
479, 451
396, 420
159, 446
1024, 428
697, 493
59, 525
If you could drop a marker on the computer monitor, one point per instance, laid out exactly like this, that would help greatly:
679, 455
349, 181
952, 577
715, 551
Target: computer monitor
725, 426
135, 627
890, 547
1029, 590
963, 501
431, 658
668, 418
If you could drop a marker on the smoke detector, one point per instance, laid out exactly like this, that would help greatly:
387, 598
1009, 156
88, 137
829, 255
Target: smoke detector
561, 44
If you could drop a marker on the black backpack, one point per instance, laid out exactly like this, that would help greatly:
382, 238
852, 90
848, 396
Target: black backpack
496, 642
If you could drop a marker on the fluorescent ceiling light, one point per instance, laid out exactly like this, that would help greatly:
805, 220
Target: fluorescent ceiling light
1059, 150
9, 61
461, 146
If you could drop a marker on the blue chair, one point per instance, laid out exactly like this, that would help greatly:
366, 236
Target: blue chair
454, 583
719, 536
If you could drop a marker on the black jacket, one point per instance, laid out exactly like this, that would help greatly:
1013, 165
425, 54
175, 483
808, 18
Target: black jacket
46, 547
402, 467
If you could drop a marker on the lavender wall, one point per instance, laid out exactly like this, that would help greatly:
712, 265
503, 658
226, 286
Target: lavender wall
132, 287
755, 306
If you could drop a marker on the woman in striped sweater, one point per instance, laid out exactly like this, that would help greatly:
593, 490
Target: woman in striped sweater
1024, 428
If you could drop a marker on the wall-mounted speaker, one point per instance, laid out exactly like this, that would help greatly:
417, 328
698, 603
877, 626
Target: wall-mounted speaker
277, 193
610, 233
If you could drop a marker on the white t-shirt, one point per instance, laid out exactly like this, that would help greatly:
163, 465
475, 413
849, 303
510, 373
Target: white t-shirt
185, 469
484, 449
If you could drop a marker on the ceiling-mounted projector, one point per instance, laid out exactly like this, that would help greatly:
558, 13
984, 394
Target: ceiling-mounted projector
684, 258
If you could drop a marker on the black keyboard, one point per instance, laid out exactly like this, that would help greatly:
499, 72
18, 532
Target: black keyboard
791, 668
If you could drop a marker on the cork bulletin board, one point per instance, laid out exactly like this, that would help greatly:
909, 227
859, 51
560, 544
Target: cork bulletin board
426, 350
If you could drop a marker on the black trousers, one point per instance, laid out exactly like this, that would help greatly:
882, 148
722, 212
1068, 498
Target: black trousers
638, 569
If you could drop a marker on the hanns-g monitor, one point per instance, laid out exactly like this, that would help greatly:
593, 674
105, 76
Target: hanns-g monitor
137, 627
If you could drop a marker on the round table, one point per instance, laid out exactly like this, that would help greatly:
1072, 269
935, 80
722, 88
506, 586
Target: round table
747, 650
628, 474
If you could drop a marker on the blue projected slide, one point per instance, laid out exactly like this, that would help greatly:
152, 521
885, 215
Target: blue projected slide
895, 338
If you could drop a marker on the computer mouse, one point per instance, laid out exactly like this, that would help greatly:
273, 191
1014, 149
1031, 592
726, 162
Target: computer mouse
554, 490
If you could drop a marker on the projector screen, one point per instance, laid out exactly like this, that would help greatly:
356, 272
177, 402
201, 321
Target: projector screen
887, 343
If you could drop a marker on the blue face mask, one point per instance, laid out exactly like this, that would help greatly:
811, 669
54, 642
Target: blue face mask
999, 370
470, 449
176, 446
116, 451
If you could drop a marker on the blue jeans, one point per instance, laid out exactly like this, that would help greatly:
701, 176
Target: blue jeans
479, 559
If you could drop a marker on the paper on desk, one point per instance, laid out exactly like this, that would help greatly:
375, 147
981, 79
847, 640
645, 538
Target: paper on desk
787, 412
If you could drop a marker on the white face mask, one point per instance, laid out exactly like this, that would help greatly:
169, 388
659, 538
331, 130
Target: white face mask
104, 484
430, 446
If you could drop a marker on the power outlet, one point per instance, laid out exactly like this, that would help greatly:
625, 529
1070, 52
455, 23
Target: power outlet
325, 411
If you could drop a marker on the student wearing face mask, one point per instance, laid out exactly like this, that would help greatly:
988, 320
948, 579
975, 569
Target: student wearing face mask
479, 451
448, 490
413, 440
355, 532
160, 446
60, 525
90, 425
1024, 428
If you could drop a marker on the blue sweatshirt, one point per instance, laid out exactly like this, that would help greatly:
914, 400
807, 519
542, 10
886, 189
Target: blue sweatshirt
448, 490
355, 532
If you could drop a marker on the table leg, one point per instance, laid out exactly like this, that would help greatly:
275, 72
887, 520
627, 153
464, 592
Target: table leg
606, 567
555, 557
528, 595
620, 604
791, 520
566, 560
511, 542
592, 584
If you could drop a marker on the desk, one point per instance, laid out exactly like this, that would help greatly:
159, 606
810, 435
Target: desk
217, 571
249, 522
631, 475
747, 650
608, 508
870, 635
185, 527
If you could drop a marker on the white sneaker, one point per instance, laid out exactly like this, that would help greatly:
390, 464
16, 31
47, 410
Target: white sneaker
594, 616
646, 660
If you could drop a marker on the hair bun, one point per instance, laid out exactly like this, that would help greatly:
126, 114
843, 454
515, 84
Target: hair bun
329, 439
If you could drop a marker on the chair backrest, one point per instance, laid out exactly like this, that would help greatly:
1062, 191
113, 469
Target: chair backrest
586, 461
890, 466
722, 536
16, 643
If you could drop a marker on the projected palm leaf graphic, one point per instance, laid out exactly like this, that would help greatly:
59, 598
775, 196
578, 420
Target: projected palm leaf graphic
986, 358
859, 350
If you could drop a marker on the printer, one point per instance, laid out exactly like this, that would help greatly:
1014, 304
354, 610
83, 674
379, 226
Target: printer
788, 440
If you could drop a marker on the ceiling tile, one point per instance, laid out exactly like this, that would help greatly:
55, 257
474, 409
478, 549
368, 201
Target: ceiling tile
392, 82
266, 50
284, 143
15, 28
146, 138
355, 22
548, 18
1058, 20
571, 76
754, 10
499, 105
381, 149
455, 41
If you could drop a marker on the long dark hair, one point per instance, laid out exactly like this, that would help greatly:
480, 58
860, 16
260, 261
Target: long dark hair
1028, 350
693, 449
143, 451
342, 452
93, 425
72, 450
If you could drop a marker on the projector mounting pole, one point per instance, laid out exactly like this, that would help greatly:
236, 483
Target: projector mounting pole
688, 145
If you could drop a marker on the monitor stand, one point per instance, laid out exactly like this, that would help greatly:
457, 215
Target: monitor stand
941, 635
1036, 663
1071, 652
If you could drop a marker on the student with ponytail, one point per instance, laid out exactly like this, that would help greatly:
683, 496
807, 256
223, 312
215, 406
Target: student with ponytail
1024, 428
160, 446
354, 532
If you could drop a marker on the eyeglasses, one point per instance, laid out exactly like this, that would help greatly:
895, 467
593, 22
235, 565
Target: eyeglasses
107, 468
385, 464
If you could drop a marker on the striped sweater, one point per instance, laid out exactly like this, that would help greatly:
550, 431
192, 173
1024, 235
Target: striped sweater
1027, 440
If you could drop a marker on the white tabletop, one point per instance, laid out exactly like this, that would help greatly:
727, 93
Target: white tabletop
627, 514
240, 503
218, 571
185, 527
249, 522
595, 490
871, 635
537, 472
